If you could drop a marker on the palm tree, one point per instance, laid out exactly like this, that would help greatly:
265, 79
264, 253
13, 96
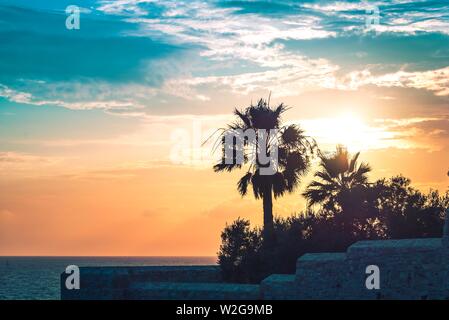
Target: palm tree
340, 181
294, 151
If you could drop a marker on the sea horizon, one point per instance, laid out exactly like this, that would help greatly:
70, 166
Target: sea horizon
37, 277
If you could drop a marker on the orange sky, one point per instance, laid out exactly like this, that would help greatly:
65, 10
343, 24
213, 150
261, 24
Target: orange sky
158, 207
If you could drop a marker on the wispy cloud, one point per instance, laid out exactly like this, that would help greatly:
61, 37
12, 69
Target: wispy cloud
436, 81
19, 163
73, 101
194, 51
430, 134
295, 76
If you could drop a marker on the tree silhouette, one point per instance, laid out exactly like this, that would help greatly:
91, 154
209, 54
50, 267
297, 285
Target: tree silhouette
341, 188
351, 210
294, 150
402, 211
406, 212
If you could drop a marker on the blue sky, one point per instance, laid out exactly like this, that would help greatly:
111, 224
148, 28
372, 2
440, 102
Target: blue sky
133, 61
143, 54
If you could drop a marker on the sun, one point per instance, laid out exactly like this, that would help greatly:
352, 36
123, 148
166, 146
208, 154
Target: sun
347, 129
350, 131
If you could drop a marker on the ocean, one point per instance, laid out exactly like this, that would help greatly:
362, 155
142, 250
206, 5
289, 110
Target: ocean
37, 278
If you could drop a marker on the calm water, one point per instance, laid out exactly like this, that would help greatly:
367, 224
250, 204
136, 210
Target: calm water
38, 277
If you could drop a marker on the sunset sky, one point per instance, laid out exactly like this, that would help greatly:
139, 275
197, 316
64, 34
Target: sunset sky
101, 128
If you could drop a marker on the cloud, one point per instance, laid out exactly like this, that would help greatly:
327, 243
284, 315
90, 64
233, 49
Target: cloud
297, 75
13, 95
125, 7
107, 97
226, 35
431, 134
19, 163
400, 16
151, 55
94, 67
403, 25
341, 6
436, 81
14, 157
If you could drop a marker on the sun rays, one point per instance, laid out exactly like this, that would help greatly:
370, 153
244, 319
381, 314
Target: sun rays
350, 130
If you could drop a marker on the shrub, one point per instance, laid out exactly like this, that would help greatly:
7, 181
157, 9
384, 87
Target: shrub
396, 210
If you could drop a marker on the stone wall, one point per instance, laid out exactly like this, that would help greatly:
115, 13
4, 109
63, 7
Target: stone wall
409, 269
156, 282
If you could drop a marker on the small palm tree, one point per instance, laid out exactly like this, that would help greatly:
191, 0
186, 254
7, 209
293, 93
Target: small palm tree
293, 157
340, 181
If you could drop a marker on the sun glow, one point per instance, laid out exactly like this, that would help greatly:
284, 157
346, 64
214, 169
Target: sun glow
349, 130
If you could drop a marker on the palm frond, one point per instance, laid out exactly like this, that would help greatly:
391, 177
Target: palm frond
279, 185
353, 162
242, 185
315, 196
294, 150
359, 177
244, 117
291, 136
219, 167
324, 175
292, 179
338, 177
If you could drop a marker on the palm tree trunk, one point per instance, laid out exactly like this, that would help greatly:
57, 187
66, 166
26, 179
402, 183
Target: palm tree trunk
268, 227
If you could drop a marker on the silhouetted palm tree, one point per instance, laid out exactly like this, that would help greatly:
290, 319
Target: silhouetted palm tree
340, 181
293, 159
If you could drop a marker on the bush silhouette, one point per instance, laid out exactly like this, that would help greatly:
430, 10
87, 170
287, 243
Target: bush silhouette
396, 210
